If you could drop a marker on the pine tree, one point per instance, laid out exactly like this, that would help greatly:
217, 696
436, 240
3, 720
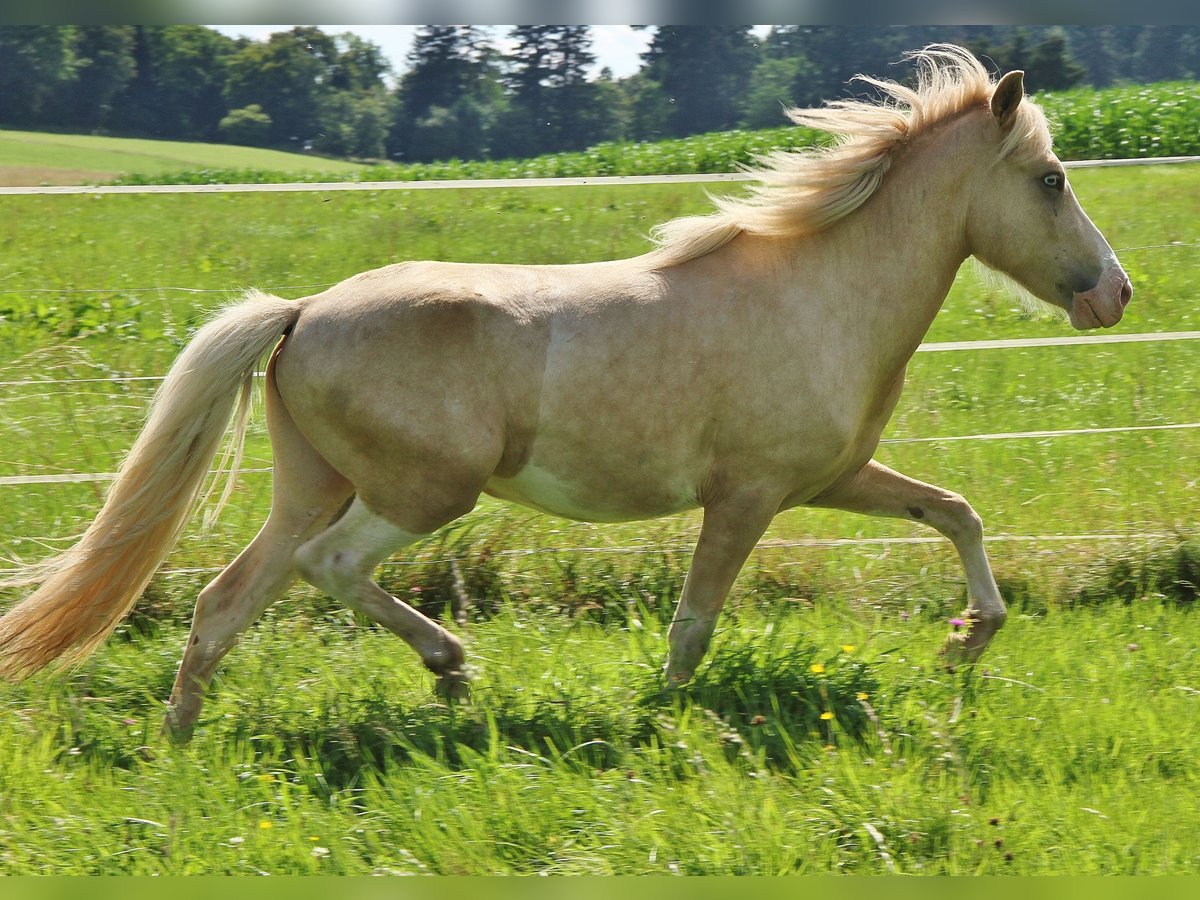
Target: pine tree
551, 104
705, 71
447, 64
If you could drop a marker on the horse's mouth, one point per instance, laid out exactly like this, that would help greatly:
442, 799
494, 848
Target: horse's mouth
1104, 305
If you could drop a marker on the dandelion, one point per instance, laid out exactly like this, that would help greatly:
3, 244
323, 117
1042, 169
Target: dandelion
848, 648
861, 695
265, 824
826, 716
817, 668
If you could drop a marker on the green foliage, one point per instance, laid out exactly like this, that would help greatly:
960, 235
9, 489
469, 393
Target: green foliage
1170, 574
285, 75
704, 71
1124, 122
104, 65
249, 126
36, 61
178, 89
462, 96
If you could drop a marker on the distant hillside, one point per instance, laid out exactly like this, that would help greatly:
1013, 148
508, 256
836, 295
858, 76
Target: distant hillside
30, 157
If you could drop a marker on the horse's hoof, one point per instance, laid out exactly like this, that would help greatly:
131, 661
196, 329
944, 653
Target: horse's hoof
956, 651
677, 679
177, 734
454, 687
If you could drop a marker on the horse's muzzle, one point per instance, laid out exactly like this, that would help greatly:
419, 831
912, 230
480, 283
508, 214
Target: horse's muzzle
1103, 305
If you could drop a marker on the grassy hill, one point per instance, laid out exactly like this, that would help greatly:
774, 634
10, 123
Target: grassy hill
30, 157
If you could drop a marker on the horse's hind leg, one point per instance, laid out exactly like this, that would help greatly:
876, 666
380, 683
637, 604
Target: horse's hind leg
307, 495
224, 609
340, 561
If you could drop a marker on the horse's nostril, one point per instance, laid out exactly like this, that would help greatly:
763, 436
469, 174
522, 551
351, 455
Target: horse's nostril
1126, 293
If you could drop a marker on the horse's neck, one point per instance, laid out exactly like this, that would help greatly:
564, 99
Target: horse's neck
889, 265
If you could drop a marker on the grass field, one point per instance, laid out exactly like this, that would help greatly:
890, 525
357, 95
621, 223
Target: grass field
32, 157
322, 749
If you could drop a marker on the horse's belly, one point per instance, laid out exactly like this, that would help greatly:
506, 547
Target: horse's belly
604, 499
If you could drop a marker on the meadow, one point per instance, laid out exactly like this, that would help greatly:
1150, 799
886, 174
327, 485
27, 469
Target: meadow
821, 737
36, 157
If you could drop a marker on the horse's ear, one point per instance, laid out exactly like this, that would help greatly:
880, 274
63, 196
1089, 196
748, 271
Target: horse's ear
1007, 97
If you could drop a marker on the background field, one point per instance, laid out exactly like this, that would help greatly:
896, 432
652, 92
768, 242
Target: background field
34, 157
323, 750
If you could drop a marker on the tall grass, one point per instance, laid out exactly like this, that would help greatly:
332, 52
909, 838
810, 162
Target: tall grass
322, 752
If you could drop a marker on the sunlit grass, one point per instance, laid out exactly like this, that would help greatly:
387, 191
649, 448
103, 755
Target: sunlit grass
33, 157
1066, 749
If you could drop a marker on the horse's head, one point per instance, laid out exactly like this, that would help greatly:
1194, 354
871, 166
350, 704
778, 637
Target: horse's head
1024, 219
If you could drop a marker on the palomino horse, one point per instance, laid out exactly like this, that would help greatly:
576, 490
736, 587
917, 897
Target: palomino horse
746, 365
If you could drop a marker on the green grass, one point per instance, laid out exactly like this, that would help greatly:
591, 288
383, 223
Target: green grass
324, 752
30, 157
1074, 738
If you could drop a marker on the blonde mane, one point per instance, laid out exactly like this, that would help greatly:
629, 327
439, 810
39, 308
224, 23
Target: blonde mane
802, 192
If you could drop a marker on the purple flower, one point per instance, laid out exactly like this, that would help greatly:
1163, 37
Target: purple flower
958, 623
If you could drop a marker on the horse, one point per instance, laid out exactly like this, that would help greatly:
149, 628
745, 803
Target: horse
745, 364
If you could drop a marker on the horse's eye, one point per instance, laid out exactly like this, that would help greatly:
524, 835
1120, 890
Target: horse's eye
1054, 181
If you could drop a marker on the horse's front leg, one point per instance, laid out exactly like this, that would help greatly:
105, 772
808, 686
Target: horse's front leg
730, 530
879, 491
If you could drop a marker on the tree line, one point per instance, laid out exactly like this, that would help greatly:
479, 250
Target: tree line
465, 94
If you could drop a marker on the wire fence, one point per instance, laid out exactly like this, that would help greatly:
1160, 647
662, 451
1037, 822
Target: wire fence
476, 183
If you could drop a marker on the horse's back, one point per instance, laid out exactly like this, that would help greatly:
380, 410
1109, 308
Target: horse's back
435, 372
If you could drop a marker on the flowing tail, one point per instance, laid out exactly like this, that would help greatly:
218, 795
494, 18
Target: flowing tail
86, 591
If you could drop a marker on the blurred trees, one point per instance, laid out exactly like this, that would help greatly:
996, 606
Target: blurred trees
472, 92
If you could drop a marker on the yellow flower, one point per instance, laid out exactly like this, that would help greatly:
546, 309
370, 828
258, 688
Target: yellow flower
847, 648
265, 824
826, 715
861, 695
817, 668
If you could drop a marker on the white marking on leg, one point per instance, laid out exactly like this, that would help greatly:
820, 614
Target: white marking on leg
340, 561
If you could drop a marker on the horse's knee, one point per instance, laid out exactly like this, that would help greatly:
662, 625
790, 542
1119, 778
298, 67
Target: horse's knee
958, 520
